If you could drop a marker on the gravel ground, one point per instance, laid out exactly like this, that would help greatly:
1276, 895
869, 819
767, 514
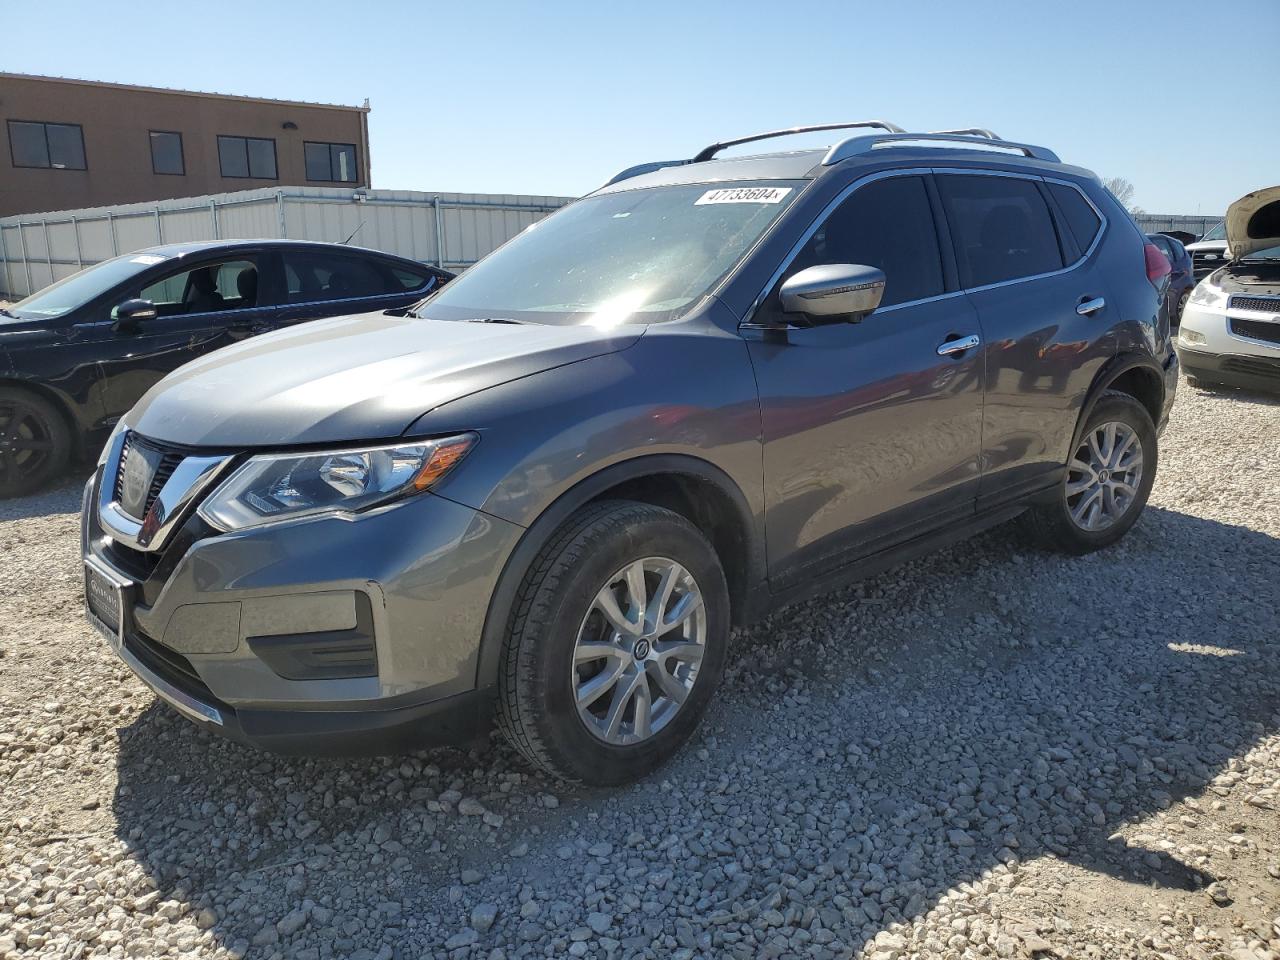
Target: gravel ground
988, 752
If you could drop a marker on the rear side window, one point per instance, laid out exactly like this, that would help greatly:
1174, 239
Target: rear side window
323, 276
1001, 228
409, 278
886, 224
1082, 220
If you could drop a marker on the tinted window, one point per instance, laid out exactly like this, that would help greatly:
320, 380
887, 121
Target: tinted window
334, 162
247, 157
1001, 228
79, 288
59, 146
1081, 219
410, 279
324, 276
230, 285
166, 152
886, 224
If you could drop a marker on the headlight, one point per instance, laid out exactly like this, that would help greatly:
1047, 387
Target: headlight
1207, 295
284, 486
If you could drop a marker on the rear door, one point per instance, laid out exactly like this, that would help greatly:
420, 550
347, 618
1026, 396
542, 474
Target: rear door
324, 283
1044, 312
871, 435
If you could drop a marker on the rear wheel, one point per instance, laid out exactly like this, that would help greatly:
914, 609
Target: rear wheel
616, 645
1182, 305
35, 443
1109, 478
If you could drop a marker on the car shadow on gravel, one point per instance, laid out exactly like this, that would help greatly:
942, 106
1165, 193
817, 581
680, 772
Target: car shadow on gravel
870, 751
62, 497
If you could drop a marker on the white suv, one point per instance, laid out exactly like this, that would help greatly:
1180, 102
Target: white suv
1230, 332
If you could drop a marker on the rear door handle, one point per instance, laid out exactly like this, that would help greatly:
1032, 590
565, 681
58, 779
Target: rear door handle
950, 347
1090, 305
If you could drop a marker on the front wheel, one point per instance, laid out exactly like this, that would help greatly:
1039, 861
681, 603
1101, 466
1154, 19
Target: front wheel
1108, 480
616, 644
35, 443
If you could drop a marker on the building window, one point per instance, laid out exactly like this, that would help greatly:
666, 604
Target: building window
247, 157
56, 146
332, 162
166, 153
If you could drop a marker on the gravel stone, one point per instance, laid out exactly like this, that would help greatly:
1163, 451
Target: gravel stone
988, 752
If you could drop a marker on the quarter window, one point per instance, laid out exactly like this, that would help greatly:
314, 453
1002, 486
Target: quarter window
247, 157
330, 162
886, 224
166, 153
1081, 218
321, 276
1001, 228
55, 146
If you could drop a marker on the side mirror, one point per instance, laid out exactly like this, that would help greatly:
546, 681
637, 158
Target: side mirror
132, 312
834, 291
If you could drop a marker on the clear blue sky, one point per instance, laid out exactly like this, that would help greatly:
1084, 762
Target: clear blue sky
554, 98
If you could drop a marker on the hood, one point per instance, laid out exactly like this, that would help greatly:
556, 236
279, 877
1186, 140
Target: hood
363, 377
1253, 222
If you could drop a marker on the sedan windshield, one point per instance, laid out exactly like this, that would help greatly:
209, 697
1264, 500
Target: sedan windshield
79, 288
636, 256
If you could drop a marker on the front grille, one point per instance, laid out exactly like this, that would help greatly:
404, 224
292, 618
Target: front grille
1265, 304
165, 460
1256, 330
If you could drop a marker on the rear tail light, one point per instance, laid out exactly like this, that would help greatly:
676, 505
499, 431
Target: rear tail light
1158, 266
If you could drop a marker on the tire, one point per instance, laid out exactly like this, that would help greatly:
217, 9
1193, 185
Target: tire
1182, 305
35, 443
1052, 525
541, 679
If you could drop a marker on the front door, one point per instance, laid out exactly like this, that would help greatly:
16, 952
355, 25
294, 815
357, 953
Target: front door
871, 436
195, 307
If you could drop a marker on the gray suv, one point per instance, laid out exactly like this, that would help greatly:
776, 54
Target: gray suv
708, 389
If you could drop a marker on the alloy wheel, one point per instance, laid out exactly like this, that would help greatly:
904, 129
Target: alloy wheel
26, 443
638, 650
1104, 476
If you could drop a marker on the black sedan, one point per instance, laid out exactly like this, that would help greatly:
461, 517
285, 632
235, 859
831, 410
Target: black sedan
78, 354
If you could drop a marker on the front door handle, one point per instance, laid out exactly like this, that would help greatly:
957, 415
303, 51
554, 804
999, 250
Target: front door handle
950, 347
1090, 306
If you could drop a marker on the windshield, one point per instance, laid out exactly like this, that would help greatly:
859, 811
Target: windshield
79, 288
639, 256
1217, 232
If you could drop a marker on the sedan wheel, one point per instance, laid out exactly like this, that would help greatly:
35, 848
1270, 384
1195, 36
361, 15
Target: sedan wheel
33, 442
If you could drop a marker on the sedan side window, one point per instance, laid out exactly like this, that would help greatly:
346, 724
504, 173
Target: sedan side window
887, 224
1001, 228
230, 285
323, 276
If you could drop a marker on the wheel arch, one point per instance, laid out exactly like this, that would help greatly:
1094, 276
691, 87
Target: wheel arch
695, 488
1134, 374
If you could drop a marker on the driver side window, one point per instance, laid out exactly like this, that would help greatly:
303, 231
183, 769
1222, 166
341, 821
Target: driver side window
229, 285
887, 224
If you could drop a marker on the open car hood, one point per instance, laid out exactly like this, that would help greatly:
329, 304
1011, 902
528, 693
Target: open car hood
1253, 222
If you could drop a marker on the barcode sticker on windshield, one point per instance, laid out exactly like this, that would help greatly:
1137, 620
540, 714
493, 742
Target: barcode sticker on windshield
148, 258
744, 195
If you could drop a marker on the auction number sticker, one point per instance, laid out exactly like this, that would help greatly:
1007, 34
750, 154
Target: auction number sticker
744, 195
148, 259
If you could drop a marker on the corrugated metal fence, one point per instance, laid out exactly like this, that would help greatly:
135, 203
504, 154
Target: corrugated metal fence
1190, 223
453, 230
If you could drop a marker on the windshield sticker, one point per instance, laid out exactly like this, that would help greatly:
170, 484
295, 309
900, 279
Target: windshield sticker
148, 259
744, 195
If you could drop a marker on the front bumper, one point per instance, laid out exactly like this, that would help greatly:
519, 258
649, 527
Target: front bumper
323, 635
1250, 372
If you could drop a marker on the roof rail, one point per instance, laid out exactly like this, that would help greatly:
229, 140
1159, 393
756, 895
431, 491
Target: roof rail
975, 138
706, 153
972, 132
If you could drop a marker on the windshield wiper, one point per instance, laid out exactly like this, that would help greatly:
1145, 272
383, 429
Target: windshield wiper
8, 314
496, 320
